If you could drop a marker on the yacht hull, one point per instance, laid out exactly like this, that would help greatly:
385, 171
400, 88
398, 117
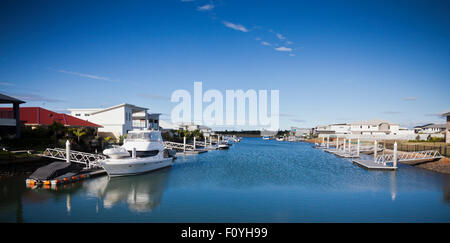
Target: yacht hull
124, 167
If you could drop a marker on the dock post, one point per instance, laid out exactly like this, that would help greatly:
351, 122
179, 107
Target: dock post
328, 142
210, 141
375, 150
344, 144
133, 153
357, 149
350, 146
395, 154
205, 143
194, 142
67, 151
184, 144
323, 141
337, 143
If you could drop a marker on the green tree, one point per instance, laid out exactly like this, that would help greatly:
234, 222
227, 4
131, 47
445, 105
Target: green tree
79, 132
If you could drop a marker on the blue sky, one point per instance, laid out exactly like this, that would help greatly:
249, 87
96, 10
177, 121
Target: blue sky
332, 61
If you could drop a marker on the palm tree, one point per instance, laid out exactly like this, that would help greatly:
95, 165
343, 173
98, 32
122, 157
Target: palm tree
79, 132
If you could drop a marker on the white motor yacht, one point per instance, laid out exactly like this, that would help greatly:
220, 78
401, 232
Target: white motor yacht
142, 151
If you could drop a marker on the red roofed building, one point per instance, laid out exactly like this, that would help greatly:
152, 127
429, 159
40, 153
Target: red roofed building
37, 116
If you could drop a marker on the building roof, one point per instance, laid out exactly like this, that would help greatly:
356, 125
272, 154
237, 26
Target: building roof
373, 122
117, 106
99, 110
442, 126
422, 126
41, 116
4, 99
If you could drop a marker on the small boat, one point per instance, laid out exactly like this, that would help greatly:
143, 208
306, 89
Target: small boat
143, 151
223, 146
266, 138
280, 139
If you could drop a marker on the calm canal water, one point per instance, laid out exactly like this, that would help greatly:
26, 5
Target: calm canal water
255, 181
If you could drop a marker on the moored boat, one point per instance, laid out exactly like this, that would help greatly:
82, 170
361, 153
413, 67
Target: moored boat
143, 151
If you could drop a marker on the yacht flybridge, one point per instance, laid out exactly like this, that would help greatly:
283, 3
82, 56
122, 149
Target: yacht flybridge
142, 151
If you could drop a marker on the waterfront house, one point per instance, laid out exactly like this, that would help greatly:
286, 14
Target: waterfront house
430, 128
38, 116
300, 132
168, 126
10, 119
190, 126
338, 128
375, 127
119, 119
447, 132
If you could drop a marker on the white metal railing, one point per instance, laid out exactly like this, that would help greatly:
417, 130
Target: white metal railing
408, 156
178, 145
88, 159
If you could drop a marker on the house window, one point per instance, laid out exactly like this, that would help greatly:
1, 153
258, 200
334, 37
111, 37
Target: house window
77, 114
86, 114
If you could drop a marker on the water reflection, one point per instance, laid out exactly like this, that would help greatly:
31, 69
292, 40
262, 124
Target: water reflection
142, 193
393, 185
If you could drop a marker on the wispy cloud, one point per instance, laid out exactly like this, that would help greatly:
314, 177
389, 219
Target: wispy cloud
265, 43
409, 98
280, 36
392, 112
34, 97
87, 75
206, 7
238, 27
6, 84
283, 48
298, 120
436, 115
154, 96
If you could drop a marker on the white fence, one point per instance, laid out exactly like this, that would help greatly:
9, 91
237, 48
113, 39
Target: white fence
368, 137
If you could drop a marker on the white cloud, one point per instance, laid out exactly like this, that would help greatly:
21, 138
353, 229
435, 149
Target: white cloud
86, 75
35, 98
282, 48
265, 43
206, 7
235, 26
6, 84
280, 36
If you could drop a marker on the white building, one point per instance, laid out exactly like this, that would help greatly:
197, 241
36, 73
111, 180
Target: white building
167, 126
118, 120
300, 132
430, 128
339, 128
367, 129
374, 127
447, 129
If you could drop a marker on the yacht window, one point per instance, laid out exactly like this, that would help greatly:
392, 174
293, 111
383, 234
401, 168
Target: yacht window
155, 137
131, 136
147, 136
